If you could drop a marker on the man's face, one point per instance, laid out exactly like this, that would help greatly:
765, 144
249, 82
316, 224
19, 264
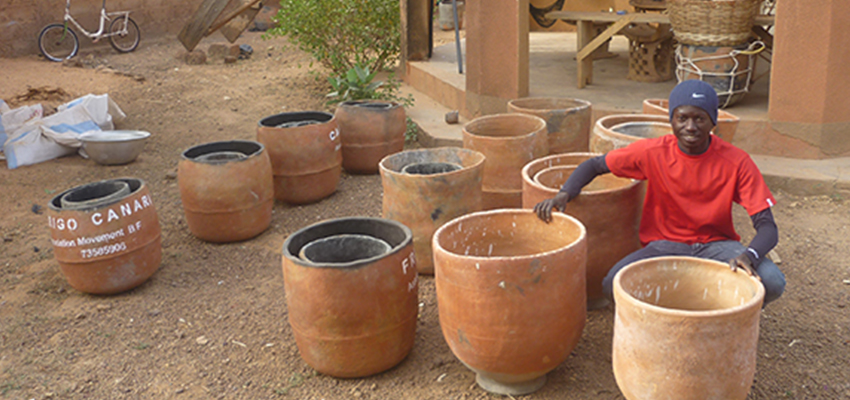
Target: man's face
692, 127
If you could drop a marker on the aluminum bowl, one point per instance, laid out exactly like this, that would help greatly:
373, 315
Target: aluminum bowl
114, 147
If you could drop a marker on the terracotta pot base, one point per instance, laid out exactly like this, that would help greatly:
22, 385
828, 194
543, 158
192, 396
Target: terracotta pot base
489, 383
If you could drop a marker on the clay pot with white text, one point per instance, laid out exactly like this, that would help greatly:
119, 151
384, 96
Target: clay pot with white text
351, 294
105, 235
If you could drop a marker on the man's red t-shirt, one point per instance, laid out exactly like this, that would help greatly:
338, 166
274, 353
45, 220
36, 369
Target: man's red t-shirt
689, 198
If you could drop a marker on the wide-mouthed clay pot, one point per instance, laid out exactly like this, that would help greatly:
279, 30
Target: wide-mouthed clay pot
620, 130
685, 328
508, 141
511, 294
226, 190
370, 131
609, 207
727, 123
304, 149
424, 189
105, 235
351, 300
567, 120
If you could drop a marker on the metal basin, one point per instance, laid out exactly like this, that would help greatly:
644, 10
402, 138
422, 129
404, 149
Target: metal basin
114, 147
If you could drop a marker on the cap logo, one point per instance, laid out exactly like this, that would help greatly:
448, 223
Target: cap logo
698, 95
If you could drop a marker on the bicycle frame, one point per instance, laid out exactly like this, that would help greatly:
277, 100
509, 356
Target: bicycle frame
104, 16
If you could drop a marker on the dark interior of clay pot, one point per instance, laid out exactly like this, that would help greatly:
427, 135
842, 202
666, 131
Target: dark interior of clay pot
295, 119
391, 232
344, 248
94, 190
688, 284
507, 233
217, 152
555, 177
369, 104
430, 168
458, 157
643, 129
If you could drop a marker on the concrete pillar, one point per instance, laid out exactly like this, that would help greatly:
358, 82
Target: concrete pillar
496, 54
415, 30
810, 74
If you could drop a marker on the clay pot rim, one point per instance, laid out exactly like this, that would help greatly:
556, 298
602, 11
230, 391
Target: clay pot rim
258, 152
293, 258
621, 294
308, 112
528, 179
661, 105
521, 104
479, 160
541, 126
354, 103
603, 125
135, 184
435, 243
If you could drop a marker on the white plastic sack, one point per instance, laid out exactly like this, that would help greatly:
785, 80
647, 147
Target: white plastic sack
57, 135
11, 120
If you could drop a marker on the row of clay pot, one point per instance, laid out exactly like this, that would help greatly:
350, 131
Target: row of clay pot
511, 299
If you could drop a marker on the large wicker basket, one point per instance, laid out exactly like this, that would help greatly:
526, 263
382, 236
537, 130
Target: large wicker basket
712, 22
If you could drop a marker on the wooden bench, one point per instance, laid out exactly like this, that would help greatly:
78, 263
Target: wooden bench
587, 42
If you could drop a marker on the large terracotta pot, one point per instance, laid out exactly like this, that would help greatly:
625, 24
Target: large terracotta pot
620, 130
567, 121
511, 294
685, 328
609, 207
371, 130
226, 190
304, 148
352, 308
426, 200
508, 141
727, 123
105, 243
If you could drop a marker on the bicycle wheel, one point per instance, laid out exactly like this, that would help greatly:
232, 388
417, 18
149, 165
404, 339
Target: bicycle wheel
56, 43
125, 42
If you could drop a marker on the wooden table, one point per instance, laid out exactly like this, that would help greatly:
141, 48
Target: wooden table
586, 43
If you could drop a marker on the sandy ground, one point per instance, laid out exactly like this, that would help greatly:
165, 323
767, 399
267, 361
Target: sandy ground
212, 322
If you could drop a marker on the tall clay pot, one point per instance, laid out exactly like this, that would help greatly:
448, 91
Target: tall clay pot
511, 294
226, 190
567, 121
620, 130
508, 141
371, 130
108, 239
447, 185
609, 207
304, 148
727, 123
352, 307
685, 328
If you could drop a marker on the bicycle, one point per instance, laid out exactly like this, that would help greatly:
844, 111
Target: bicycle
59, 42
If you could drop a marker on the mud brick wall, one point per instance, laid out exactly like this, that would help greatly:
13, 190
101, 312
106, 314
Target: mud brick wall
22, 20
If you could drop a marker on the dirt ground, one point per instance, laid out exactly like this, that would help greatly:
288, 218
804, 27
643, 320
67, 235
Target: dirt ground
212, 322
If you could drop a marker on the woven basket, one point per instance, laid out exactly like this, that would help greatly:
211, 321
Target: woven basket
712, 22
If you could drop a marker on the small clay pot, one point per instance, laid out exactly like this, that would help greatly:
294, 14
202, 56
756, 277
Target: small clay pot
511, 294
685, 328
371, 130
108, 240
424, 202
352, 312
609, 207
727, 123
630, 128
567, 121
508, 141
305, 152
226, 190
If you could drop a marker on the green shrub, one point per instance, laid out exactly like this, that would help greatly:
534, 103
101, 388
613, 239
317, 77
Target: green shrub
358, 84
342, 34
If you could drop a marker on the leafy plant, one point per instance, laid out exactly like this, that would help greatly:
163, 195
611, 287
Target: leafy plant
358, 84
342, 34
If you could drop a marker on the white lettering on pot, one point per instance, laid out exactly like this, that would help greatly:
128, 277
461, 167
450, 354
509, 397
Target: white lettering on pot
61, 223
125, 209
334, 134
